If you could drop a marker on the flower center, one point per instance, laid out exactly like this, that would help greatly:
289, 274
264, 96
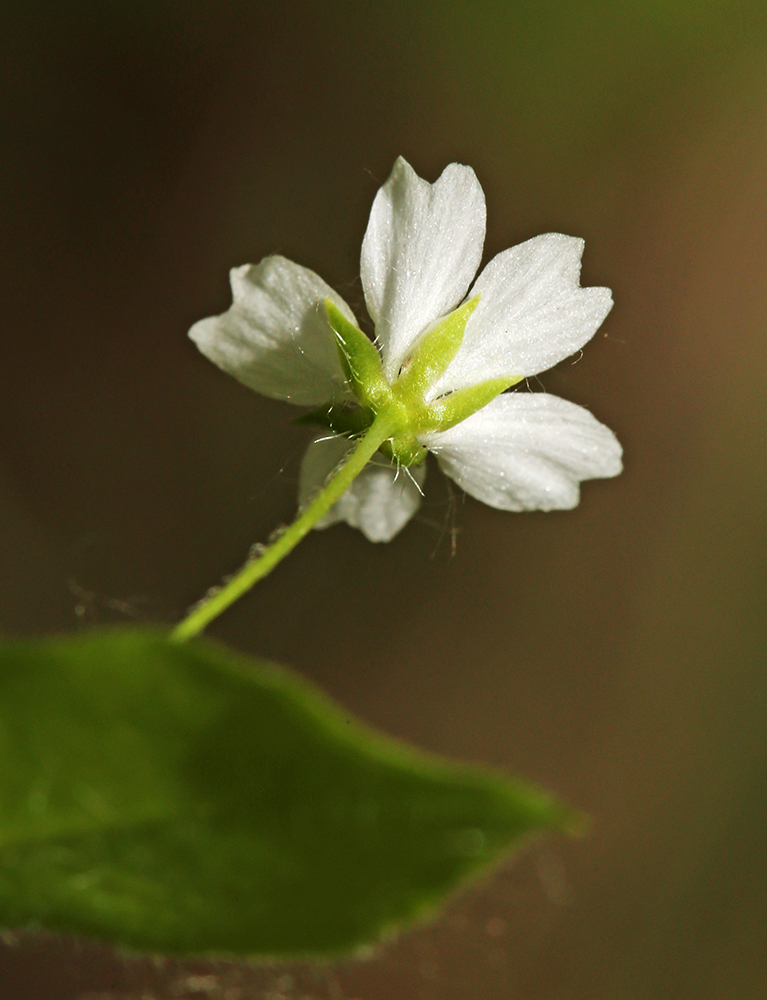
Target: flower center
404, 400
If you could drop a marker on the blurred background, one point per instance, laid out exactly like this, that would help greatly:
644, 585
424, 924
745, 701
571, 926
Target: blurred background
615, 653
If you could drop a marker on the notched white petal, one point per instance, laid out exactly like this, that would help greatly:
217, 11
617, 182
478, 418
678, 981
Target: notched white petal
275, 338
527, 451
422, 247
531, 315
379, 502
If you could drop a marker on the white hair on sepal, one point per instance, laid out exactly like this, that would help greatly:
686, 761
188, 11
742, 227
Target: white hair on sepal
412, 478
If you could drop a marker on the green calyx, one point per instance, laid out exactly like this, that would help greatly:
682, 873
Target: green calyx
403, 401
360, 361
340, 419
434, 351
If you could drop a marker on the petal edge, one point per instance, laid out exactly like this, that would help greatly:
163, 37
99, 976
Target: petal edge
275, 337
422, 247
379, 502
532, 313
527, 451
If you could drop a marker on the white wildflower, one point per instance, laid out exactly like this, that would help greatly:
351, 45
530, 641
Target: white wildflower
443, 358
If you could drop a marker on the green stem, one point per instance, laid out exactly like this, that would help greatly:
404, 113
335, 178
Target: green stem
254, 570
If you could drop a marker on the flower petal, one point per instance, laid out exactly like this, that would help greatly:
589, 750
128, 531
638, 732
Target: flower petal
276, 338
532, 313
379, 502
527, 451
422, 247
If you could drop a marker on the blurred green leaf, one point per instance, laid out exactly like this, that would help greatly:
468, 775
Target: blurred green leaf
180, 798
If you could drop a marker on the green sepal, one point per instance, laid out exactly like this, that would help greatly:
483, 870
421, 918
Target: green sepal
434, 352
457, 406
341, 419
360, 360
404, 451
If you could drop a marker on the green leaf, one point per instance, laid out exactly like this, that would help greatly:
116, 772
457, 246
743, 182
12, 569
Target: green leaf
181, 798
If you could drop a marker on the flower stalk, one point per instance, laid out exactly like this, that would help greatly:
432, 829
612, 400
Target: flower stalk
209, 608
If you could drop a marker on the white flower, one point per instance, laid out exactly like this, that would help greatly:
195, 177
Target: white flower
524, 313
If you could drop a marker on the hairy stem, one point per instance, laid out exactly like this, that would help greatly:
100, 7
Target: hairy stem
256, 569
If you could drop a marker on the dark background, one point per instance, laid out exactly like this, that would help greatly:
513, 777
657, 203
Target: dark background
615, 653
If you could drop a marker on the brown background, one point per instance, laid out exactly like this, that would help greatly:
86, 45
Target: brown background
615, 653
